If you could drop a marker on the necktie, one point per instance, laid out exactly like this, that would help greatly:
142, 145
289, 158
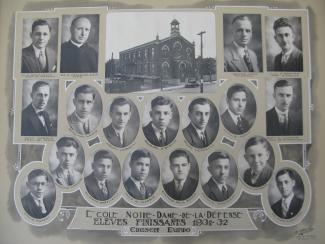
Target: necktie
179, 188
70, 178
284, 208
143, 190
86, 127
248, 62
120, 137
104, 189
41, 206
240, 124
162, 140
203, 138
42, 60
224, 192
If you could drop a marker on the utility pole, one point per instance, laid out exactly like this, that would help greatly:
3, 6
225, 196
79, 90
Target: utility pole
201, 59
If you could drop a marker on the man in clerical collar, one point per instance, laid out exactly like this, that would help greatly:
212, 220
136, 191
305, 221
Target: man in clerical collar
290, 58
35, 119
37, 203
183, 185
289, 204
136, 185
97, 183
237, 56
67, 151
38, 57
233, 118
217, 188
118, 132
281, 120
198, 133
81, 120
77, 56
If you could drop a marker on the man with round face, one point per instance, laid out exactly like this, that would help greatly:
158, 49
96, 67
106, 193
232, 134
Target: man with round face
183, 185
97, 183
257, 155
289, 204
77, 56
38, 57
233, 118
35, 119
281, 120
67, 151
81, 119
37, 203
158, 131
198, 133
136, 185
237, 56
217, 188
290, 58
119, 132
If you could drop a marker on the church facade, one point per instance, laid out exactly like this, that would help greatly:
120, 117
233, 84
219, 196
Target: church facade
169, 58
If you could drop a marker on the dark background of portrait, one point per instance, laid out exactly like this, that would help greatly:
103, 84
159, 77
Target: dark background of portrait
93, 37
274, 194
52, 104
272, 47
154, 171
294, 152
174, 122
250, 111
115, 175
24, 190
233, 171
134, 121
213, 123
296, 103
79, 164
243, 164
167, 174
27, 29
256, 41
97, 108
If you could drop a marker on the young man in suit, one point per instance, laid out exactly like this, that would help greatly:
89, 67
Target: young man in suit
198, 133
217, 188
233, 118
81, 120
119, 132
281, 120
38, 57
183, 185
158, 131
289, 205
237, 56
77, 56
37, 203
35, 120
97, 183
65, 174
291, 58
136, 184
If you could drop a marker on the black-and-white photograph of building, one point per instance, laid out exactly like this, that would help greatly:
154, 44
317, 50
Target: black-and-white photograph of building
160, 51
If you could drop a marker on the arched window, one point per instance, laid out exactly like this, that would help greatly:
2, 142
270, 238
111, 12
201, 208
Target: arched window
165, 69
165, 50
177, 46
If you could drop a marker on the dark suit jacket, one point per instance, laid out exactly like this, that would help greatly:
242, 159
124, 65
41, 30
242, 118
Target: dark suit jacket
94, 190
230, 125
212, 190
133, 191
294, 208
274, 128
189, 188
264, 176
33, 210
30, 64
151, 136
78, 60
32, 126
128, 136
235, 63
194, 139
294, 63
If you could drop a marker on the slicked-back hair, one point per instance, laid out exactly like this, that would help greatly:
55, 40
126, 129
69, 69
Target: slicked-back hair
39, 84
85, 89
120, 101
35, 173
234, 89
200, 101
67, 142
139, 154
281, 22
282, 83
285, 171
256, 140
40, 22
160, 100
178, 153
102, 154
217, 155
241, 17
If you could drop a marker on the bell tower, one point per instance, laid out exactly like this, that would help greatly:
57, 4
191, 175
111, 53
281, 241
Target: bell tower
174, 28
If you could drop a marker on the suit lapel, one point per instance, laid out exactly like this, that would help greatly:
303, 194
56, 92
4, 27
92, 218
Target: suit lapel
237, 60
195, 137
32, 60
36, 122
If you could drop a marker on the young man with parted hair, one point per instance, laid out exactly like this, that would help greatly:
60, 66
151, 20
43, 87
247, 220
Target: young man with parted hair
290, 59
237, 56
38, 57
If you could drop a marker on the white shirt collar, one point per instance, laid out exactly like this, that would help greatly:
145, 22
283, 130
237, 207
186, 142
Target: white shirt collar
80, 119
37, 51
179, 182
36, 199
219, 185
76, 44
240, 50
157, 131
36, 109
279, 112
118, 131
233, 116
137, 183
288, 199
198, 131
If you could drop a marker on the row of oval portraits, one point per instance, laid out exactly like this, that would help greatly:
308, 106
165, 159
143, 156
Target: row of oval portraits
161, 117
219, 178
